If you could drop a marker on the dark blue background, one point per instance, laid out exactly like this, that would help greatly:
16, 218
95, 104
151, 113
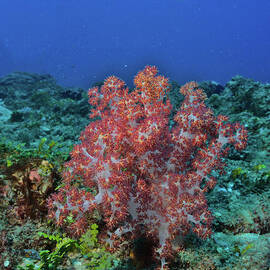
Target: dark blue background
83, 41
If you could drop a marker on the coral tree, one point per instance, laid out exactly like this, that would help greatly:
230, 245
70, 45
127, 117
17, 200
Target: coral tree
147, 179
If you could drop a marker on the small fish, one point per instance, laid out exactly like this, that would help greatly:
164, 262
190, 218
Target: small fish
31, 253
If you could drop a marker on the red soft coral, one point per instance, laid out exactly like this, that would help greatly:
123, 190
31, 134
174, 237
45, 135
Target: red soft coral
148, 179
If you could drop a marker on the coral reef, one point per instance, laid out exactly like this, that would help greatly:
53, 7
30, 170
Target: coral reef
32, 133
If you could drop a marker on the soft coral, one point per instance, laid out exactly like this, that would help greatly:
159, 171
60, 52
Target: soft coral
148, 180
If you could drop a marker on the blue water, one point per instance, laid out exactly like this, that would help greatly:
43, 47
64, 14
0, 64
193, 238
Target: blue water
82, 41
